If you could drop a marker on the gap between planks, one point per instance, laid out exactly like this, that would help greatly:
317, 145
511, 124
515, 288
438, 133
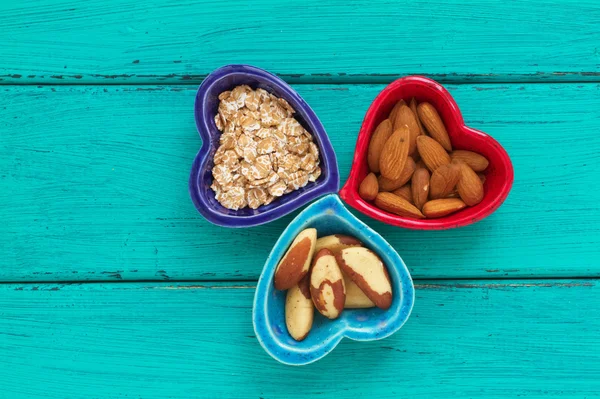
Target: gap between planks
312, 79
581, 281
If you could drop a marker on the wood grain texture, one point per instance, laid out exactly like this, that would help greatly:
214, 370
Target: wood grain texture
464, 340
100, 41
93, 186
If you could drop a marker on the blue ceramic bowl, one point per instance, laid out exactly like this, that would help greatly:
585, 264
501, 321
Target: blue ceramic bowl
207, 102
328, 216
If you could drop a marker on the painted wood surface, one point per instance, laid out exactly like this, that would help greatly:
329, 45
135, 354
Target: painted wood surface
470, 339
97, 137
94, 186
100, 41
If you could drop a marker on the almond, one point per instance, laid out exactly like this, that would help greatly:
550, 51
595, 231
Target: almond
442, 207
394, 154
336, 242
394, 111
413, 108
355, 297
327, 285
420, 187
369, 273
477, 162
295, 263
405, 116
380, 136
369, 187
432, 153
391, 185
299, 309
404, 192
434, 125
398, 205
470, 187
444, 180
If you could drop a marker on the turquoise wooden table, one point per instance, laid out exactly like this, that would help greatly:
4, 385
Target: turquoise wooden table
113, 286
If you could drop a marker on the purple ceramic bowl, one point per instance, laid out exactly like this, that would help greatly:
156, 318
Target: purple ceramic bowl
205, 109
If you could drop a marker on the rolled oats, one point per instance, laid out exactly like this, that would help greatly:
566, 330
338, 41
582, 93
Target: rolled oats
224, 95
215, 187
245, 141
291, 162
250, 154
267, 181
308, 162
234, 199
253, 100
269, 199
227, 141
277, 189
314, 150
267, 146
280, 136
274, 160
297, 146
272, 178
269, 115
250, 125
314, 175
264, 151
261, 167
230, 129
262, 94
297, 180
286, 106
256, 197
239, 95
222, 174
219, 122
283, 175
218, 157
264, 132
227, 108
239, 151
291, 127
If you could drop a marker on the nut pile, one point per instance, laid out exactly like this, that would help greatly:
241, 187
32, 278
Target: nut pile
331, 273
264, 152
414, 171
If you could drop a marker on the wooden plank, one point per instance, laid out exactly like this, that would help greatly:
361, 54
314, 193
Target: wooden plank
100, 41
464, 340
94, 186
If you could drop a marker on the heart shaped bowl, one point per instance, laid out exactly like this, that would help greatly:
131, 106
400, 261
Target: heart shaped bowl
329, 216
206, 105
499, 174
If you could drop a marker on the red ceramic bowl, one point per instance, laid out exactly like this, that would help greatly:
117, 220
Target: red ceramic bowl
499, 174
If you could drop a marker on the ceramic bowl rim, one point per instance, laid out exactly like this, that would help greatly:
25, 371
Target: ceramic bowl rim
401, 312
349, 192
329, 184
